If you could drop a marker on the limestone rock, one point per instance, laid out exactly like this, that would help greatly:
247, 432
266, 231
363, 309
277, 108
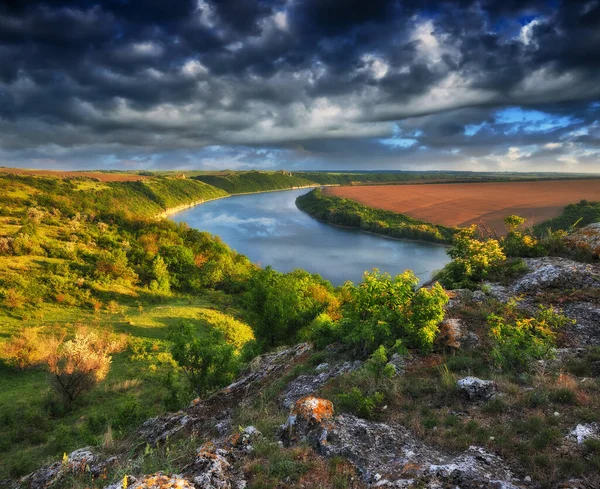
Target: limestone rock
477, 389
306, 417
583, 432
586, 239
391, 456
78, 462
305, 385
155, 481
553, 272
212, 469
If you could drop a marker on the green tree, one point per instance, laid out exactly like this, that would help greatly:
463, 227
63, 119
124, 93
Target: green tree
207, 360
180, 264
473, 259
282, 304
383, 310
161, 281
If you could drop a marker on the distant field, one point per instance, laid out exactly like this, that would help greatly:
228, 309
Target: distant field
457, 204
100, 176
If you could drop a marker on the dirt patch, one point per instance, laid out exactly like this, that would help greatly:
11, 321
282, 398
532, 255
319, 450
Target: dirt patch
99, 176
462, 204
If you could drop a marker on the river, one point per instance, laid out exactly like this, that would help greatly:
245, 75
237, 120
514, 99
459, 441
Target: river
270, 230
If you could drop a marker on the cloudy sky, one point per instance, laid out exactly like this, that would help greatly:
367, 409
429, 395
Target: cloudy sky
301, 84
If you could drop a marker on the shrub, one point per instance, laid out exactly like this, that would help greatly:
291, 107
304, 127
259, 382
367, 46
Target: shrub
161, 279
180, 264
79, 364
358, 403
472, 260
382, 310
517, 341
322, 331
284, 303
207, 360
377, 365
114, 266
14, 299
25, 349
519, 241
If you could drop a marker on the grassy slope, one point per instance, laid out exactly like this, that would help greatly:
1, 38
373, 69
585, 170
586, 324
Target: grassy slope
31, 429
347, 212
254, 181
142, 199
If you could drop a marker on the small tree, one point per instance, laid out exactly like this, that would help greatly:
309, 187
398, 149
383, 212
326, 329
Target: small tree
207, 360
161, 275
472, 259
382, 310
79, 364
76, 365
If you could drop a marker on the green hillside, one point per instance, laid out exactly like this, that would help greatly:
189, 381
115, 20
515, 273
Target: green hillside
254, 181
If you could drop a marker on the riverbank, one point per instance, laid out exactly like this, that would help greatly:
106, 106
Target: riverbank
179, 208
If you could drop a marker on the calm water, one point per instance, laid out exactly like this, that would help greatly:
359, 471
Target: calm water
270, 230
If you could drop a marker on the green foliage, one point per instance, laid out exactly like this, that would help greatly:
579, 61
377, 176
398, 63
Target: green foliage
518, 341
360, 404
180, 264
161, 277
254, 181
207, 360
382, 310
472, 260
347, 212
322, 331
378, 365
573, 216
281, 304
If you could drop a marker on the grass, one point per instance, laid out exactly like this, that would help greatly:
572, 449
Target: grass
34, 429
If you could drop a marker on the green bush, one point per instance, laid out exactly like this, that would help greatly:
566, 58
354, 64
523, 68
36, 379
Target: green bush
360, 404
517, 341
207, 360
282, 304
382, 310
322, 331
472, 260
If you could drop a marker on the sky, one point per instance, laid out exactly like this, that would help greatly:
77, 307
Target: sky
501, 85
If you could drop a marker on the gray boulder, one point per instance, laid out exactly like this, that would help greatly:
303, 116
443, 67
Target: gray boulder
477, 389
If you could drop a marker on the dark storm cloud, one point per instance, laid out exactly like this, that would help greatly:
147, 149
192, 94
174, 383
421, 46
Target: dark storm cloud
300, 83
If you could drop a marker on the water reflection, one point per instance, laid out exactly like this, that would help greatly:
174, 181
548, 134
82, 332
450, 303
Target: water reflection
270, 230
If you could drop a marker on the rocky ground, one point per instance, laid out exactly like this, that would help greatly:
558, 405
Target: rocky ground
384, 453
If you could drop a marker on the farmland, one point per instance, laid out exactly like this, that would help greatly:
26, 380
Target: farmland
474, 203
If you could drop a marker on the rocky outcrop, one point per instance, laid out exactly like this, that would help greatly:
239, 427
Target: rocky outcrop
305, 385
79, 462
213, 414
586, 239
389, 455
477, 390
305, 419
553, 272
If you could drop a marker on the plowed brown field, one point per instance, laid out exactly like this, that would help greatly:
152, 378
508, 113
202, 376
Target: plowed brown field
462, 204
100, 176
